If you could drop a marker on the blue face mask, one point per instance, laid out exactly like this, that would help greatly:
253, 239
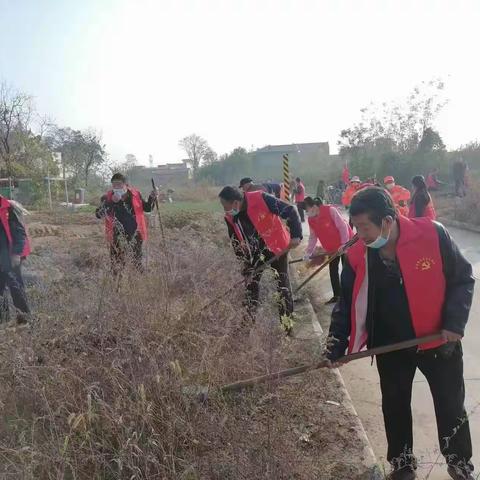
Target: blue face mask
233, 212
380, 242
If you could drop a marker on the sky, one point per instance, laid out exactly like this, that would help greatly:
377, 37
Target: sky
237, 72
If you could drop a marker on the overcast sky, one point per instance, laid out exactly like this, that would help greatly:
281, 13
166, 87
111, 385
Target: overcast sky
239, 73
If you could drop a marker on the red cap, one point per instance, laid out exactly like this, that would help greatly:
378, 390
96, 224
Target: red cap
388, 179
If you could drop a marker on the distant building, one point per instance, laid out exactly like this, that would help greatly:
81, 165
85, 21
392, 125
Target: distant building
172, 173
304, 157
298, 153
169, 174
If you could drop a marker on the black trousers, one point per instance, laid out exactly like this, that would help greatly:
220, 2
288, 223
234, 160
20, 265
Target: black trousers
124, 249
443, 369
14, 281
284, 288
460, 188
335, 276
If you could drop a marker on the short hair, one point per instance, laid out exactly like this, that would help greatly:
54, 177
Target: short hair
230, 194
119, 177
376, 202
298, 179
244, 181
310, 202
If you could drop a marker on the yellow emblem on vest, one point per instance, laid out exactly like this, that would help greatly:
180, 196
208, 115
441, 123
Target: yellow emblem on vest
425, 264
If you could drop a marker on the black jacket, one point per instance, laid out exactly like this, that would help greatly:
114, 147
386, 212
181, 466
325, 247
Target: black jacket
456, 308
420, 200
19, 236
125, 223
256, 245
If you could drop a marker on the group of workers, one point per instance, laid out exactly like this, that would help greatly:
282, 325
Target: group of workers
404, 278
418, 205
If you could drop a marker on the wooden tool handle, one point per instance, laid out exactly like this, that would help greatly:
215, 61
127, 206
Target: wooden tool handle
250, 382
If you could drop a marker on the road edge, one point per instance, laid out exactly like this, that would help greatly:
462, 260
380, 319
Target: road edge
369, 460
456, 224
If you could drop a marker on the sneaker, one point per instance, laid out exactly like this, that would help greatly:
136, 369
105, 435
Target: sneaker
458, 473
332, 301
405, 473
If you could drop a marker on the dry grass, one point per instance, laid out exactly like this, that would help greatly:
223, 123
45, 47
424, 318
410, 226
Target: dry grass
94, 388
461, 209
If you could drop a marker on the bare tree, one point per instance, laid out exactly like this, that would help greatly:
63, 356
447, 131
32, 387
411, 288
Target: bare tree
82, 151
15, 115
197, 150
94, 151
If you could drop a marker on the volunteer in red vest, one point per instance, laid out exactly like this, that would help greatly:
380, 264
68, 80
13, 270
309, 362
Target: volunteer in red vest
421, 204
406, 278
14, 248
299, 191
351, 190
329, 231
122, 208
247, 185
255, 226
400, 195
433, 183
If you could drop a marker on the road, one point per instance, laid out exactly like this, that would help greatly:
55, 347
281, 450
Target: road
362, 382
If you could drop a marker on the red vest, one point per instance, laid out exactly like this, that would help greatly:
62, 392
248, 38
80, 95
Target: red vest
269, 226
300, 197
137, 210
420, 260
326, 230
4, 214
236, 230
431, 183
429, 211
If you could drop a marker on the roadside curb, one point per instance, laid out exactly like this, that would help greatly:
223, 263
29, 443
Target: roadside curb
457, 224
369, 461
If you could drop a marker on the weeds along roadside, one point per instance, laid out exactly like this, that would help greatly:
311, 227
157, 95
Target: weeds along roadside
93, 389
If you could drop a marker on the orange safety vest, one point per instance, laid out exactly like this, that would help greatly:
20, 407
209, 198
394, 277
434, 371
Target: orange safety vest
326, 230
137, 205
4, 216
421, 265
348, 195
268, 225
400, 194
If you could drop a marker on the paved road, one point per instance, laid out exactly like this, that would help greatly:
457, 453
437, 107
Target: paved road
362, 382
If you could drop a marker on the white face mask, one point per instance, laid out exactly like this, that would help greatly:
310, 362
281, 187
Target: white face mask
390, 186
311, 213
119, 191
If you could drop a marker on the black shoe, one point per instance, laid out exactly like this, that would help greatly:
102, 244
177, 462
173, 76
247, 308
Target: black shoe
458, 473
22, 318
405, 473
332, 300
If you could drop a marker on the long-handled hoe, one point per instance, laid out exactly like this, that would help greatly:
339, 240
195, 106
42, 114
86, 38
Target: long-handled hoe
328, 261
203, 393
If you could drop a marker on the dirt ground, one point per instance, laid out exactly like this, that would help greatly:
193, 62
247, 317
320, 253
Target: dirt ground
295, 429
